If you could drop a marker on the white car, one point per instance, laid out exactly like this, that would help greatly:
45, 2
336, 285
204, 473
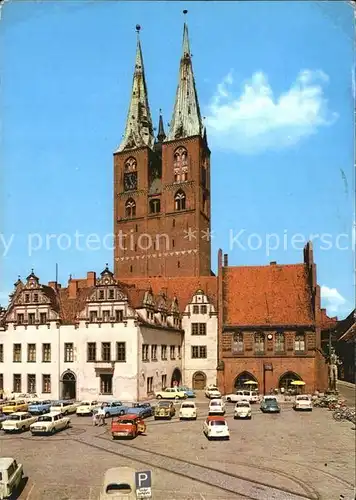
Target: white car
212, 392
217, 407
250, 396
188, 410
65, 407
50, 423
216, 427
303, 402
86, 408
242, 410
11, 474
19, 421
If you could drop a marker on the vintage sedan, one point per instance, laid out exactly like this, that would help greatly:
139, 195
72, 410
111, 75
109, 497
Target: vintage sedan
217, 407
164, 409
270, 404
3, 417
14, 406
112, 408
39, 407
243, 410
142, 410
189, 392
212, 392
11, 474
171, 393
215, 427
86, 408
188, 411
303, 402
127, 426
65, 406
18, 422
50, 423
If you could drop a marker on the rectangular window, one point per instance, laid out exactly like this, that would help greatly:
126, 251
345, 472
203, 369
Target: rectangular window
106, 384
179, 352
164, 381
46, 384
279, 342
31, 383
195, 309
35, 297
198, 329
111, 294
259, 343
119, 315
199, 351
101, 294
31, 353
299, 343
153, 352
20, 319
163, 352
46, 353
106, 316
238, 343
203, 309
173, 352
121, 351
93, 316
43, 318
145, 352
105, 351
68, 352
27, 297
17, 383
31, 318
1, 382
149, 385
1, 353
17, 355
91, 352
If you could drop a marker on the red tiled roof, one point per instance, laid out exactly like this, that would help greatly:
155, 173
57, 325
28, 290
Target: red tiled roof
71, 307
326, 322
260, 295
181, 287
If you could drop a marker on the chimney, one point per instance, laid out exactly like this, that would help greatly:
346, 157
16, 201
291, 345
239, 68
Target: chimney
273, 263
226, 260
72, 289
323, 310
52, 284
91, 278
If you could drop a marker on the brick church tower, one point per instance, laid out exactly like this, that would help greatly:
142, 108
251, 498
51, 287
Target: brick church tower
162, 184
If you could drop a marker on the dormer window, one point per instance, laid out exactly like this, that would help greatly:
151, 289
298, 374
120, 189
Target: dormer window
35, 297
119, 315
93, 316
101, 294
31, 318
106, 316
111, 294
20, 319
27, 297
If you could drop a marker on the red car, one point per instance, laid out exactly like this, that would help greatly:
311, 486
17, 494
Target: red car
127, 426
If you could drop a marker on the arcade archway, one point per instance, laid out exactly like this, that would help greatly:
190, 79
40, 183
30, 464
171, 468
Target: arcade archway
286, 379
242, 378
199, 381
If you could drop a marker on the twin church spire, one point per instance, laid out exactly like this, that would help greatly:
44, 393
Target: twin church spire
186, 120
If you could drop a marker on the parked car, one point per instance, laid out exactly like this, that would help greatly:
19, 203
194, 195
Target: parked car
39, 407
303, 403
86, 408
250, 396
3, 417
188, 411
18, 422
142, 410
13, 406
11, 474
270, 404
189, 392
242, 410
119, 482
65, 406
50, 423
170, 393
112, 408
164, 409
216, 427
217, 407
127, 426
212, 392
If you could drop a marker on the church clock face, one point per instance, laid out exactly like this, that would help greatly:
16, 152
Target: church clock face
130, 181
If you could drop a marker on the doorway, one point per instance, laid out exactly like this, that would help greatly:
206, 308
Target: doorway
176, 378
69, 385
199, 381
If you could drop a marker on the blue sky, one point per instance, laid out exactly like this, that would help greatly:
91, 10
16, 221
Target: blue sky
274, 83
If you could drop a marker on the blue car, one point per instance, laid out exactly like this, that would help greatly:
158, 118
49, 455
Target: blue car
113, 408
142, 410
39, 407
189, 392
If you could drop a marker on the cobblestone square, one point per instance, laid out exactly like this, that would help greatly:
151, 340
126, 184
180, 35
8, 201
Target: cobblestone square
288, 457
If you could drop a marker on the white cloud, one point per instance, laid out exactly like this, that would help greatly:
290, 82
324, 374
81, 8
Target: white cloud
257, 120
333, 301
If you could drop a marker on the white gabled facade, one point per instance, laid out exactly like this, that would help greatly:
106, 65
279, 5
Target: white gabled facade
111, 350
200, 325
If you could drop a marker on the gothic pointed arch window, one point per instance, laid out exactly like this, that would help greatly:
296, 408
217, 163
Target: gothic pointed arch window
130, 165
179, 200
130, 208
155, 206
130, 174
180, 164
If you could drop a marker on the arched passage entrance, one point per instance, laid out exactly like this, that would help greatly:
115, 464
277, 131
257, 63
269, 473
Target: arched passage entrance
69, 385
286, 379
242, 378
199, 381
176, 377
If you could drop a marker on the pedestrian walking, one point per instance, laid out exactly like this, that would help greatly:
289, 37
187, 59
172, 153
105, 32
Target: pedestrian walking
95, 419
101, 415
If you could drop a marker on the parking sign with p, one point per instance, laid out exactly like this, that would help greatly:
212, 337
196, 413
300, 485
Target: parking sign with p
143, 484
